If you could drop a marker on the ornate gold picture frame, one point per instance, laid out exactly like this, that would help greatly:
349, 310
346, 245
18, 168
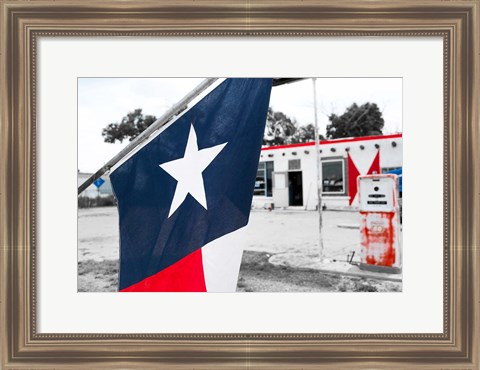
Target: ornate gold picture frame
24, 22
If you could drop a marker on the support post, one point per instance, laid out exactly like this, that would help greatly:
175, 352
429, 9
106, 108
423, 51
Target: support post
319, 171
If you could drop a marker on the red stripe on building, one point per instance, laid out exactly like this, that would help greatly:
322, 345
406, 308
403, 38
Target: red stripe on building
184, 276
334, 141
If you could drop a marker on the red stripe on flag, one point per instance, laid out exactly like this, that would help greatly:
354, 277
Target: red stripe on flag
352, 179
375, 167
184, 276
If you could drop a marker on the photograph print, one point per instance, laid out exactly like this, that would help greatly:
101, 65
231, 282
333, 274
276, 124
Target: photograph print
240, 184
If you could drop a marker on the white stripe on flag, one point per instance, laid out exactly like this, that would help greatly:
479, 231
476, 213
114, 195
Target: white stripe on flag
221, 261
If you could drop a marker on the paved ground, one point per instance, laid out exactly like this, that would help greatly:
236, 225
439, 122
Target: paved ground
297, 232
98, 234
292, 237
276, 232
288, 240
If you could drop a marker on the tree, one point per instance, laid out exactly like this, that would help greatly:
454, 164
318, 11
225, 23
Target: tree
304, 134
279, 128
130, 127
364, 120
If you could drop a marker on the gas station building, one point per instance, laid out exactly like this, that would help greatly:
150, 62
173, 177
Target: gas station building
286, 176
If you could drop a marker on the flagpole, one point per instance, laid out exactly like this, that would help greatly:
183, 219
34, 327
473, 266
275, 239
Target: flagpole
166, 117
319, 170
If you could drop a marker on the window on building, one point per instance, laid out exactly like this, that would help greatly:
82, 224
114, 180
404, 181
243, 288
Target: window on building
388, 169
294, 164
333, 179
263, 182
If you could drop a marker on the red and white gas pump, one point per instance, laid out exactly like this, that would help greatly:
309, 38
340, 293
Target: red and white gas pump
380, 223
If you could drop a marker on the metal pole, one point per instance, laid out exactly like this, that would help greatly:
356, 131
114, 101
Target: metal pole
167, 116
319, 170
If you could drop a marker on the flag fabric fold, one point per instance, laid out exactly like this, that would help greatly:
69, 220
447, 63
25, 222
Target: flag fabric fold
184, 199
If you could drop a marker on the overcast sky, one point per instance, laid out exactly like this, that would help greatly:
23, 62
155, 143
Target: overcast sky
105, 100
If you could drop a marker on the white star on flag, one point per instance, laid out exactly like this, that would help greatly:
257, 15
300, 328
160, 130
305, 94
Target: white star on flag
188, 171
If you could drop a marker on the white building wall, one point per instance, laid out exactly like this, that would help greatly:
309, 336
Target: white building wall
362, 152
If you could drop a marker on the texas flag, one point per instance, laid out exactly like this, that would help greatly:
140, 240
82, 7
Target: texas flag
184, 198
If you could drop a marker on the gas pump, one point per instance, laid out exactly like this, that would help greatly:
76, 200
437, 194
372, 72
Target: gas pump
380, 223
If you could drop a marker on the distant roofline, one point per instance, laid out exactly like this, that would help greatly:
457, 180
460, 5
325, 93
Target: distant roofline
334, 141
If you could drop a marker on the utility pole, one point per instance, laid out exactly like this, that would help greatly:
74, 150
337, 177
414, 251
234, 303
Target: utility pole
319, 171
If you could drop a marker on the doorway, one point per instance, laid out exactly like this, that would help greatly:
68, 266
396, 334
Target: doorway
295, 188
